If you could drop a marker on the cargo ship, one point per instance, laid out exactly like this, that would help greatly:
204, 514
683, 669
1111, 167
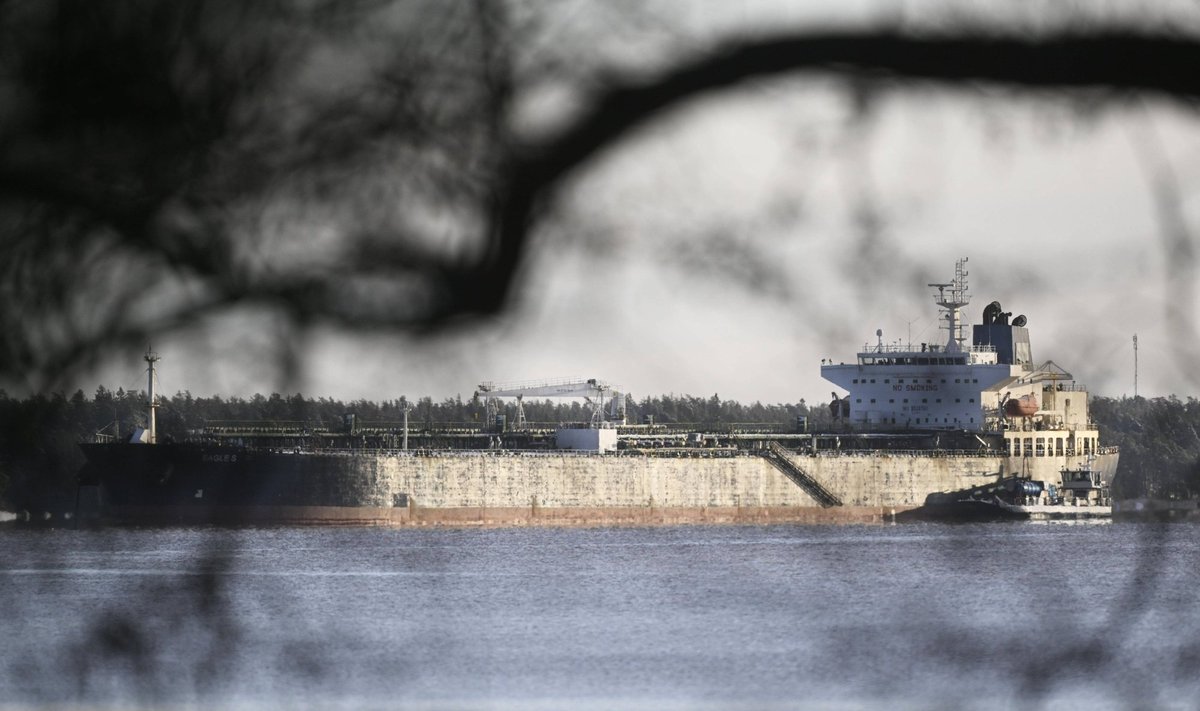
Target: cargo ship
915, 420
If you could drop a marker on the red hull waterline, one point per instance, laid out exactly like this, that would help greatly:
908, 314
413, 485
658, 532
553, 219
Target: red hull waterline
473, 517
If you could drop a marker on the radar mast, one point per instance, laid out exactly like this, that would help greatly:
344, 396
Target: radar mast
951, 297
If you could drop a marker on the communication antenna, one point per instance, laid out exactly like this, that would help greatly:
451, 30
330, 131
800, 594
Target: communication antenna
1135, 365
406, 408
910, 323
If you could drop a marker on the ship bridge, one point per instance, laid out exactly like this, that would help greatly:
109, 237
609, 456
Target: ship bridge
926, 355
915, 390
933, 385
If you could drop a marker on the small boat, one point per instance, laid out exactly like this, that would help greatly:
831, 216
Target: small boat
1080, 494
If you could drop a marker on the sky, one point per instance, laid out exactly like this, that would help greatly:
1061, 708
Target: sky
732, 244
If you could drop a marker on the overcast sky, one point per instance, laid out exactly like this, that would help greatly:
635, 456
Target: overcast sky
731, 245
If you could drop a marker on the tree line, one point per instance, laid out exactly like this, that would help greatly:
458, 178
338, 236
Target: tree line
1159, 437
1160, 444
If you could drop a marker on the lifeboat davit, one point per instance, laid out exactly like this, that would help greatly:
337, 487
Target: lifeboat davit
1024, 406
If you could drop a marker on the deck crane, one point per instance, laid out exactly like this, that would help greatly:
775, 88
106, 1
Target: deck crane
594, 391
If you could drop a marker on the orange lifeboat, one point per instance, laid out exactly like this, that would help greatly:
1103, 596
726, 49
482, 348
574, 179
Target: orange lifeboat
1024, 406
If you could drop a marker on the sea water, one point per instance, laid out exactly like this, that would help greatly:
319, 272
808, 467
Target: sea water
721, 617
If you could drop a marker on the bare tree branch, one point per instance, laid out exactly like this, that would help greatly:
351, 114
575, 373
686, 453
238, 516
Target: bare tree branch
1117, 63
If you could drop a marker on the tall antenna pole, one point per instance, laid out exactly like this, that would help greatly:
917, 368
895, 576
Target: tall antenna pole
151, 427
1135, 365
407, 410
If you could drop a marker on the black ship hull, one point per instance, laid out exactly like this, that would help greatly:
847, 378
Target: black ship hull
962, 511
200, 483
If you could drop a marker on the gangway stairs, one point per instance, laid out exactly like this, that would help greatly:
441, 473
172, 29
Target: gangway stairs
777, 455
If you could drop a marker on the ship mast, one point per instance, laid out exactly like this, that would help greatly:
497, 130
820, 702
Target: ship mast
151, 427
952, 297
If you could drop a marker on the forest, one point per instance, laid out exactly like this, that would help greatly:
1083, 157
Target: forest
39, 460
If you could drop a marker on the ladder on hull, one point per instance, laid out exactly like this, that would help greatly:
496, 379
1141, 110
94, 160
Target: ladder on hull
777, 456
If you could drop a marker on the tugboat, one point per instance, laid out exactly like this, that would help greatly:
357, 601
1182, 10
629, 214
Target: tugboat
1079, 495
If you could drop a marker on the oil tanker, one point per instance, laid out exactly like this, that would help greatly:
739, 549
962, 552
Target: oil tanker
915, 420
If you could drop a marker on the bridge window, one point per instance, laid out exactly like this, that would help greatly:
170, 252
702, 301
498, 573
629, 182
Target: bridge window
1040, 450
1058, 446
1028, 446
872, 401
886, 381
1016, 447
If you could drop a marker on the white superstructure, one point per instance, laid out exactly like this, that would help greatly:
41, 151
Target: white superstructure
989, 385
930, 386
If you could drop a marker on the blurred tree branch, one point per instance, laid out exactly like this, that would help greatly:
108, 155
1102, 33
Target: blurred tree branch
359, 165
